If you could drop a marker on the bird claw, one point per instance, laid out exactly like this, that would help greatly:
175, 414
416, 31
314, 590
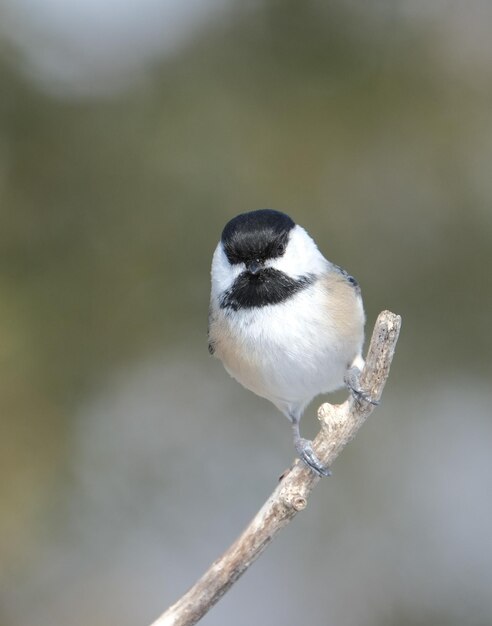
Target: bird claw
352, 380
361, 395
307, 455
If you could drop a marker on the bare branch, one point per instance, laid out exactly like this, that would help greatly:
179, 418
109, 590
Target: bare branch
339, 424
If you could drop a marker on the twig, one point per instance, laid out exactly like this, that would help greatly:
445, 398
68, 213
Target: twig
339, 424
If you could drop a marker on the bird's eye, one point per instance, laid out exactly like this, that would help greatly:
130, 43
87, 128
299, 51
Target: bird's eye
280, 249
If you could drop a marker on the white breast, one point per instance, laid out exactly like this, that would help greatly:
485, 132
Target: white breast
293, 351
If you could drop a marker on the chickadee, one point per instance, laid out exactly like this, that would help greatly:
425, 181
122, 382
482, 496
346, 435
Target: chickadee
285, 322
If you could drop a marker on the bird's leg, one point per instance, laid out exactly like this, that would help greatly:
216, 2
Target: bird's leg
304, 449
352, 380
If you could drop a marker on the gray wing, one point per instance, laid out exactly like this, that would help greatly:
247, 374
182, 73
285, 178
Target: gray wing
350, 279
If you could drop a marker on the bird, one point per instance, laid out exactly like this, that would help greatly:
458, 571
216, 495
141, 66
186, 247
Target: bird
286, 323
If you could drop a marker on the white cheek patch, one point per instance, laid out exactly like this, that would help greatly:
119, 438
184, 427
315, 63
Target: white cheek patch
223, 273
301, 256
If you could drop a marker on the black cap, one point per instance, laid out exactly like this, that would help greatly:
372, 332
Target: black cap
256, 235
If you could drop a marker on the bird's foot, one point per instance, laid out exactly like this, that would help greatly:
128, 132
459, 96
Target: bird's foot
306, 453
352, 380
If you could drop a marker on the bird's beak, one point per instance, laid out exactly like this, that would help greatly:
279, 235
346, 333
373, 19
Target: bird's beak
253, 267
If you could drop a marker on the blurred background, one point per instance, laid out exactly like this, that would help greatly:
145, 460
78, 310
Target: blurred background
130, 132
